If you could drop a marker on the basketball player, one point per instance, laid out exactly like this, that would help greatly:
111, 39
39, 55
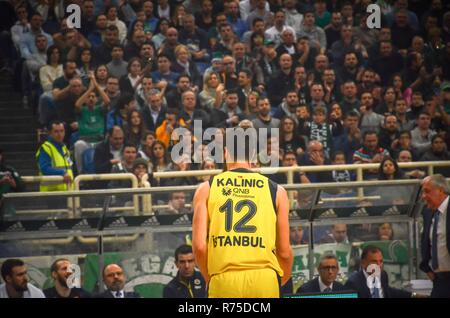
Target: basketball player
240, 230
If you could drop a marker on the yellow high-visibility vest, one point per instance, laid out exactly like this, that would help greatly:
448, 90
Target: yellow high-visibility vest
58, 162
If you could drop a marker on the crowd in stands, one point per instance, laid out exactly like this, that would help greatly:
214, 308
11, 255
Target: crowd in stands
110, 94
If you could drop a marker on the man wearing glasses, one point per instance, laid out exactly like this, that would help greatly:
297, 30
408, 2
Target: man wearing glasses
326, 282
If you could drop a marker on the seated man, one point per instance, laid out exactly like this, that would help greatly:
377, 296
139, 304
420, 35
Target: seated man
14, 274
60, 273
114, 280
177, 203
338, 234
188, 283
326, 282
379, 286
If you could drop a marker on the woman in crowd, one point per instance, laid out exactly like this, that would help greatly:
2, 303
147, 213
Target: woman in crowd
184, 65
48, 73
211, 96
101, 75
130, 82
160, 32
134, 129
289, 139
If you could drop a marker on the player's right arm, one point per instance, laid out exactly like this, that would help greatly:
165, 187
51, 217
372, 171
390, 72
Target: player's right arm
200, 228
284, 251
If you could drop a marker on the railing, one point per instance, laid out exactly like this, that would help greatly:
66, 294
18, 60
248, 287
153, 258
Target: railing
74, 207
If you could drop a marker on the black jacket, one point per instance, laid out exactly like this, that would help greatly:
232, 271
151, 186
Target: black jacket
357, 282
176, 289
108, 294
313, 287
147, 118
426, 242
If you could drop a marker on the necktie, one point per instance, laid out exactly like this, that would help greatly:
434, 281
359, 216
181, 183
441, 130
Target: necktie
434, 252
118, 294
376, 292
327, 290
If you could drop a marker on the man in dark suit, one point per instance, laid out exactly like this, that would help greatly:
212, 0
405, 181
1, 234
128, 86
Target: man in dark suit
188, 283
153, 113
379, 286
326, 282
114, 279
436, 234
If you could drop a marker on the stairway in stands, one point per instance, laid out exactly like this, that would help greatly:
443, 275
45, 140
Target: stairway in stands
18, 137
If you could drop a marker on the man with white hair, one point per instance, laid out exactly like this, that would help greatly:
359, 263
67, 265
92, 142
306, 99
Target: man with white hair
279, 26
436, 234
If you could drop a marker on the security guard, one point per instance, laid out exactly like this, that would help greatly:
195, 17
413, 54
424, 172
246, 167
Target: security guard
188, 283
54, 159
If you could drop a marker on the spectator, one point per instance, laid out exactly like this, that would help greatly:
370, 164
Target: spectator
319, 130
350, 140
163, 72
328, 269
60, 272
389, 133
211, 96
28, 41
111, 15
154, 113
264, 119
350, 100
195, 39
385, 232
146, 143
404, 143
404, 123
296, 235
422, 134
190, 113
204, 19
261, 10
338, 158
281, 81
114, 279
207, 164
369, 119
129, 155
275, 33
338, 234
150, 21
229, 115
406, 156
133, 47
288, 106
91, 120
438, 152
184, 83
117, 67
346, 44
131, 82
10, 181
54, 159
54, 69
103, 52
315, 156
160, 32
315, 34
389, 170
293, 17
85, 64
379, 286
184, 65
350, 69
134, 128
160, 160
188, 283
370, 152
387, 104
108, 152
117, 115
290, 141
177, 203
16, 285
387, 63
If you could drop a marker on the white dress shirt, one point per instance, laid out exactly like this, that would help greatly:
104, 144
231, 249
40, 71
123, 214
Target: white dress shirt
376, 283
322, 286
443, 255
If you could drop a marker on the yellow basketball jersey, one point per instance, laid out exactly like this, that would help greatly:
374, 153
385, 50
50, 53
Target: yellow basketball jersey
242, 222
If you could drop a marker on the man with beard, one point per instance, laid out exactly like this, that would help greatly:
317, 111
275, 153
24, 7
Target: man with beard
14, 273
114, 279
60, 273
